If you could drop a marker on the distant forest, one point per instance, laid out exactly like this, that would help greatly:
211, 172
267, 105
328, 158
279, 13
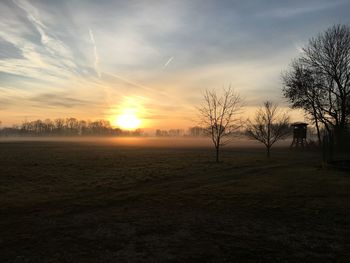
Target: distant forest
75, 127
66, 127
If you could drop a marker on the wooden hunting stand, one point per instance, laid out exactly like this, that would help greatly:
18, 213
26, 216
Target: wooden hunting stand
299, 134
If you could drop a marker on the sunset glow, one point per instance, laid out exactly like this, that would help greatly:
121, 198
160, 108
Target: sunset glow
128, 121
85, 66
174, 130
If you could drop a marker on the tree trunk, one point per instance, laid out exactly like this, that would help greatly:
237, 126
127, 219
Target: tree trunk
339, 136
268, 152
217, 154
318, 133
317, 126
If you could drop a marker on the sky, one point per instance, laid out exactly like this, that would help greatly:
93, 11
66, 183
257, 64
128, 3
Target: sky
97, 59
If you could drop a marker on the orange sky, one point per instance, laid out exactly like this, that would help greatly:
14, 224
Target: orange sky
155, 60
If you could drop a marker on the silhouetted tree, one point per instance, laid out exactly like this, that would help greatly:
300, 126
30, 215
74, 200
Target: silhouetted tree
82, 127
59, 126
72, 125
196, 131
319, 81
218, 115
303, 91
269, 126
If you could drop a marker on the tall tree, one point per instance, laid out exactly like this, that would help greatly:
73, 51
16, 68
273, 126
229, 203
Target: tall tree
218, 115
270, 125
319, 81
304, 91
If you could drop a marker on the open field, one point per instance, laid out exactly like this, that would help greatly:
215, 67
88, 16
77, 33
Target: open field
65, 201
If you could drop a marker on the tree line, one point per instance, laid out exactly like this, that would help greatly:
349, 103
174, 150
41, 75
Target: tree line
65, 127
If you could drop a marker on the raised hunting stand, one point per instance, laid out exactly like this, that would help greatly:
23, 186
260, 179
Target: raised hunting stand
299, 134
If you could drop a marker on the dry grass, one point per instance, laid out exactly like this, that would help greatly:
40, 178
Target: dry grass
89, 202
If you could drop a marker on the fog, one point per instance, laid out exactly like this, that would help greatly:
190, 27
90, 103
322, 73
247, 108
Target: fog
158, 142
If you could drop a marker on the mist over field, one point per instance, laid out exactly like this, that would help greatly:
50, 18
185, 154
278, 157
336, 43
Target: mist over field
165, 142
147, 131
157, 199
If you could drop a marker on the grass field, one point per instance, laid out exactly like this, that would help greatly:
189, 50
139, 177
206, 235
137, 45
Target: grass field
65, 201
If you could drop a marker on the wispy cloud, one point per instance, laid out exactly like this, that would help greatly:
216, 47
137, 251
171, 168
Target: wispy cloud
52, 44
298, 10
58, 100
48, 60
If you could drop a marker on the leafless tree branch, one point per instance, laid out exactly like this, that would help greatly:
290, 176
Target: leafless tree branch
218, 115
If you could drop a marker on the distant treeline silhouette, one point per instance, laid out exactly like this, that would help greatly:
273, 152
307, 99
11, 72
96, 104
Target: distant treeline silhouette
66, 127
75, 127
195, 131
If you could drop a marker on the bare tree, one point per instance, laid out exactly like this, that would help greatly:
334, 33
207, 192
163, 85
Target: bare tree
59, 125
218, 115
303, 90
319, 81
270, 125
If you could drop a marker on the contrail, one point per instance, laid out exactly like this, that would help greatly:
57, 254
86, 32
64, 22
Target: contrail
168, 62
135, 84
97, 59
130, 82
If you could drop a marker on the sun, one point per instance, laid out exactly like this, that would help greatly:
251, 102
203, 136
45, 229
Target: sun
128, 121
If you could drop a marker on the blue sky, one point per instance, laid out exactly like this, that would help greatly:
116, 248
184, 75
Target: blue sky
94, 59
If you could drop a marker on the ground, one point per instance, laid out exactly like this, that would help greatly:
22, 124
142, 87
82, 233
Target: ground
99, 202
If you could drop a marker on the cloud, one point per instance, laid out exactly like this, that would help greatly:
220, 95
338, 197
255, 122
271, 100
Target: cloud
4, 103
12, 97
33, 50
290, 11
58, 100
9, 50
53, 45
